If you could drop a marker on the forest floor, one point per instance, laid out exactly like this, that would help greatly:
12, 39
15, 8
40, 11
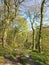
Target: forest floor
23, 57
17, 61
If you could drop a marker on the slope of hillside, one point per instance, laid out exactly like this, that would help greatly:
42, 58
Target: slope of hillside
44, 37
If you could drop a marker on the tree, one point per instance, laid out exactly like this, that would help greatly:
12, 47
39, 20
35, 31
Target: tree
17, 33
32, 23
33, 12
42, 16
8, 16
20, 37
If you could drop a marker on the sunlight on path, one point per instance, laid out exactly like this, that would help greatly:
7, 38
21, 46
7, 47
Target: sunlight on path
19, 64
7, 64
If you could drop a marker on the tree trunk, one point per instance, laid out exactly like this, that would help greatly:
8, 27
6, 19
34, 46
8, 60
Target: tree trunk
33, 44
33, 38
7, 20
42, 15
2, 43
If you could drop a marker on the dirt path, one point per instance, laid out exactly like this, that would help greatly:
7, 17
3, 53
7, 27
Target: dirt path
29, 60
17, 62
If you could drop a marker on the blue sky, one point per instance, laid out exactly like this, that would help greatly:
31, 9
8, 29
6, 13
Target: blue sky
33, 2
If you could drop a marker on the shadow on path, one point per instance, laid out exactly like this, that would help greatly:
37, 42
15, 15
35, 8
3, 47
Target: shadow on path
17, 61
29, 60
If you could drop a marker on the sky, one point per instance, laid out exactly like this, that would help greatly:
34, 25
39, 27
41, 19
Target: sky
30, 3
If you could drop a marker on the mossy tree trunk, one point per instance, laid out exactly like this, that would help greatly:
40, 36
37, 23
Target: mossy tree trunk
7, 21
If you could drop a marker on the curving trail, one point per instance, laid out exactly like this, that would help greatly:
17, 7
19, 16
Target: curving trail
29, 60
17, 61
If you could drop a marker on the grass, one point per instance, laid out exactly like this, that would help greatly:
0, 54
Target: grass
39, 59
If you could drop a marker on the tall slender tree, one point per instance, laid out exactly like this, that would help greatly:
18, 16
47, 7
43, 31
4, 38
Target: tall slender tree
42, 17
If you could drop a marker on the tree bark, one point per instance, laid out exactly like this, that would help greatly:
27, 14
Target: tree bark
42, 15
33, 31
33, 45
6, 22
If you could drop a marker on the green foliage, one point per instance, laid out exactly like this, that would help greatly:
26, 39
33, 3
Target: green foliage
38, 58
14, 32
8, 52
17, 32
14, 53
26, 51
45, 39
11, 57
4, 51
22, 59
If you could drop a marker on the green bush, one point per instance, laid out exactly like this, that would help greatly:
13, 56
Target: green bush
25, 51
2, 53
14, 53
11, 57
38, 57
22, 59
